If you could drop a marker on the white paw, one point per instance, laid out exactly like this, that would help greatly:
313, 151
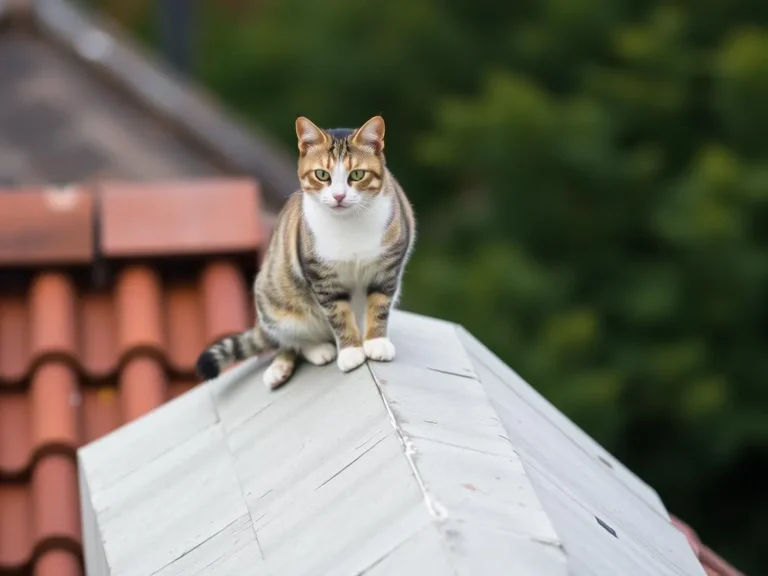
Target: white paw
380, 349
277, 374
350, 358
319, 354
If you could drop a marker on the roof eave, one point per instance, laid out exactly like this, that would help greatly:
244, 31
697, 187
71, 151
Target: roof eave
101, 46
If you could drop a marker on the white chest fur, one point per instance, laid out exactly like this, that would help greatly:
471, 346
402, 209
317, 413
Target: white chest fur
348, 238
351, 243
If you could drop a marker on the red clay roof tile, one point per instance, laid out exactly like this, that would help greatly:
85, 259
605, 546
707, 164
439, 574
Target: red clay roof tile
101, 412
208, 216
52, 316
53, 393
225, 301
138, 299
15, 433
712, 563
54, 500
185, 327
14, 336
57, 563
16, 522
46, 226
98, 334
142, 387
77, 361
41, 515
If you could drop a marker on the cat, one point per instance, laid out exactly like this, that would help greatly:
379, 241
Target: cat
334, 263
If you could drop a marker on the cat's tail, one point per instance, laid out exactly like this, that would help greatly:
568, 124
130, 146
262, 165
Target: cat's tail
231, 349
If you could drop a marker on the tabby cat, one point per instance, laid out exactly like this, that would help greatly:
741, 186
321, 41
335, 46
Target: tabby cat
333, 268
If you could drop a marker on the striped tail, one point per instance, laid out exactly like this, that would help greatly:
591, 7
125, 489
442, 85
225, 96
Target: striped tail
230, 350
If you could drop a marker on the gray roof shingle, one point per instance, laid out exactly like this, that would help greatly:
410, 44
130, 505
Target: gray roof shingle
79, 101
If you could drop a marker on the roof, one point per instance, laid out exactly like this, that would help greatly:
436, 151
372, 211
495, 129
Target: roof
79, 101
713, 564
101, 320
443, 461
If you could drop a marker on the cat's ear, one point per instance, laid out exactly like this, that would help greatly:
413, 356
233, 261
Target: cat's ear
371, 134
308, 134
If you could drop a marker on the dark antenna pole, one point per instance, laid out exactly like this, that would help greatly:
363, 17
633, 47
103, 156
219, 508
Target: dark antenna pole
176, 33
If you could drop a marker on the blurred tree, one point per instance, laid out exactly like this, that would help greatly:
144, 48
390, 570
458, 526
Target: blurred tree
591, 178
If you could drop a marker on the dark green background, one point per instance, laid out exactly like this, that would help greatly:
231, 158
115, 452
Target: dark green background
591, 183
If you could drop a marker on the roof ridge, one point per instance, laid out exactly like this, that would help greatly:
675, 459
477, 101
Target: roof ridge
90, 222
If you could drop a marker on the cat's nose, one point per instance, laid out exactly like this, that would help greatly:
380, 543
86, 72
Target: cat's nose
339, 196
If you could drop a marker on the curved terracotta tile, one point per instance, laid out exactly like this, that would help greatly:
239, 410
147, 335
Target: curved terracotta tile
98, 335
57, 563
55, 509
52, 316
54, 406
16, 538
184, 319
15, 434
139, 310
142, 387
225, 300
101, 412
14, 339
177, 387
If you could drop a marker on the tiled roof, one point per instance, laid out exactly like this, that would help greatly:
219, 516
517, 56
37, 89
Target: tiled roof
713, 564
79, 100
97, 329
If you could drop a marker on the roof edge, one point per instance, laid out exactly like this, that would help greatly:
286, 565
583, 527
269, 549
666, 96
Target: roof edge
100, 44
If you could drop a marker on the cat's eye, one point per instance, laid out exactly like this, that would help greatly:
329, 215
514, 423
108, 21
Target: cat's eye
322, 175
356, 175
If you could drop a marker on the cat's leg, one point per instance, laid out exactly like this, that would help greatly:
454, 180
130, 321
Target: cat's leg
377, 345
338, 311
281, 369
335, 306
319, 353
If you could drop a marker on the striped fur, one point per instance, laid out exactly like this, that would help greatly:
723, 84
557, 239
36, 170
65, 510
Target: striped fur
333, 269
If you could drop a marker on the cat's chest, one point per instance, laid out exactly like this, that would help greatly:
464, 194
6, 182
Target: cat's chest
352, 241
347, 246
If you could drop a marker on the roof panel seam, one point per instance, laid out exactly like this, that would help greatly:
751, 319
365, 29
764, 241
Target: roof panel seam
435, 509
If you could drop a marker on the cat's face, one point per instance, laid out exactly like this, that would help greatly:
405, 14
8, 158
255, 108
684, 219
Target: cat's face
341, 169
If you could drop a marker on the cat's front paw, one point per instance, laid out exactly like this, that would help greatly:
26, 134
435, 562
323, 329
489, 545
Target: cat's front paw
350, 358
379, 349
320, 354
277, 374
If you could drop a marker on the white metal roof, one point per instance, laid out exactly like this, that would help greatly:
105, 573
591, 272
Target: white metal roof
443, 462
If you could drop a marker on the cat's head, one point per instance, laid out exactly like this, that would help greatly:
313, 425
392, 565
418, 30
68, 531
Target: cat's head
342, 169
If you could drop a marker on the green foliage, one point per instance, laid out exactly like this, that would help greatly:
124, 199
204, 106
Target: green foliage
592, 189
